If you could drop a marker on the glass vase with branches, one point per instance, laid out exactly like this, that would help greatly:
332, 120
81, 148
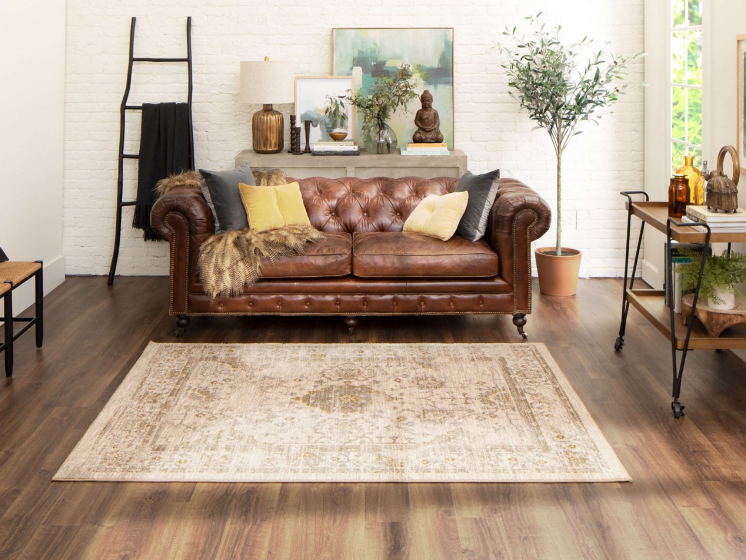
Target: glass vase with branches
389, 94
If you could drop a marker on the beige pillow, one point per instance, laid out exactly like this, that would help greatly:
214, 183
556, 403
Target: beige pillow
438, 216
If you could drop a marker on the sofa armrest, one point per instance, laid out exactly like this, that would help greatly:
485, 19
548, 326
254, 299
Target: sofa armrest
187, 202
182, 218
518, 217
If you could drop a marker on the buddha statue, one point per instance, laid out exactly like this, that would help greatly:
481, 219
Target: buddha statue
427, 121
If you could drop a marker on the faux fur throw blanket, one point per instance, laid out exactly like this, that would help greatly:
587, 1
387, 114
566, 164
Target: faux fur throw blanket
262, 177
228, 261
186, 179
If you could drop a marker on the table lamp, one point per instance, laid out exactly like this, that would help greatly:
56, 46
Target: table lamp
267, 82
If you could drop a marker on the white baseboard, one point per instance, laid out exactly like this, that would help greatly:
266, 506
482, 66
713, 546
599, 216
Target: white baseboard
54, 275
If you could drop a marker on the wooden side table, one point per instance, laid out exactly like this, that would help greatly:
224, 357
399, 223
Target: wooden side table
651, 303
363, 166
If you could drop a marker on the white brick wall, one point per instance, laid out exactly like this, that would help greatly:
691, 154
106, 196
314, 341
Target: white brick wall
488, 124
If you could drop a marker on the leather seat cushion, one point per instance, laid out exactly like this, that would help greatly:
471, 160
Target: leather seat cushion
329, 257
402, 254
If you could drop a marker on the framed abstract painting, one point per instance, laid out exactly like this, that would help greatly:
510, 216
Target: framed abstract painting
312, 98
368, 53
741, 81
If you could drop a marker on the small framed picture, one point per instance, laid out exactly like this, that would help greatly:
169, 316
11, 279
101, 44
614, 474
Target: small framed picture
324, 100
741, 81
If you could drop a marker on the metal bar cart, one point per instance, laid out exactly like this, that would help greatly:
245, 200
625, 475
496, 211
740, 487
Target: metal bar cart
652, 303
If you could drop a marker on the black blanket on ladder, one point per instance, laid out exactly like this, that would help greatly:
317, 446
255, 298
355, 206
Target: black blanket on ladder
165, 149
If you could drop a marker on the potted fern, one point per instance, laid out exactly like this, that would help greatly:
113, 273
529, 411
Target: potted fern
560, 86
720, 278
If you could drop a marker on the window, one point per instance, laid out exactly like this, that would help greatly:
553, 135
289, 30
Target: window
686, 82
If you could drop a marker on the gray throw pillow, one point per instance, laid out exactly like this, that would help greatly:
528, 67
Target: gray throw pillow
208, 199
226, 197
482, 191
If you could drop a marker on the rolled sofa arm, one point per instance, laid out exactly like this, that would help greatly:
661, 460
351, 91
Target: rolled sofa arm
187, 202
182, 217
513, 197
518, 217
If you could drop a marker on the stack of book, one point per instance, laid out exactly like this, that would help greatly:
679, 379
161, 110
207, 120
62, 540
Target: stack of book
414, 149
333, 148
734, 222
680, 255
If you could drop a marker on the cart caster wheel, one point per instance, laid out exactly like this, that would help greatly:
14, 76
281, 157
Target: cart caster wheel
619, 343
678, 409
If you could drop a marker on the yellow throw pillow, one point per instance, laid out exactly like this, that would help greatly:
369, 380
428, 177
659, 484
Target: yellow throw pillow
291, 204
272, 207
261, 207
438, 216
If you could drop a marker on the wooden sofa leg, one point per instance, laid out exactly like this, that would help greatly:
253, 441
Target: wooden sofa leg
351, 323
182, 322
519, 320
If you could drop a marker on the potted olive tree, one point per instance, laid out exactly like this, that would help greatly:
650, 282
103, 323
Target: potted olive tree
560, 86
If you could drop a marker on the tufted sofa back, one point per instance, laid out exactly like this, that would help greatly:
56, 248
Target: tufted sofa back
378, 204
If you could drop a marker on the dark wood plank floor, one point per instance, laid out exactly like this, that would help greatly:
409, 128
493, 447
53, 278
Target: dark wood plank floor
687, 500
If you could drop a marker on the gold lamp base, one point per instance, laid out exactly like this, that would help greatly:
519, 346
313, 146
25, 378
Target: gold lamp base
267, 131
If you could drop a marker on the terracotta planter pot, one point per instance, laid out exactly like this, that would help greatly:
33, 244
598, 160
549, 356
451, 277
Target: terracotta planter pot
558, 276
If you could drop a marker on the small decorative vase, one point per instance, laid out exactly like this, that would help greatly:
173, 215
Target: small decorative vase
698, 196
726, 296
692, 175
678, 196
381, 140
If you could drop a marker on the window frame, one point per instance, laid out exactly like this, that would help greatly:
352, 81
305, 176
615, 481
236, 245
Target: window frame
704, 87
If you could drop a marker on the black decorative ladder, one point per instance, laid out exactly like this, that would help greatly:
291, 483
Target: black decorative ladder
123, 111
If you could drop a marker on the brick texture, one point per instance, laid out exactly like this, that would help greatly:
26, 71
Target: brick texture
489, 126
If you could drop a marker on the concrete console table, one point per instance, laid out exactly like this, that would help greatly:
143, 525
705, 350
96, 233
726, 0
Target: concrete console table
363, 166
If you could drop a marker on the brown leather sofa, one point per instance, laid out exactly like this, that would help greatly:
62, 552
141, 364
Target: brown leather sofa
366, 265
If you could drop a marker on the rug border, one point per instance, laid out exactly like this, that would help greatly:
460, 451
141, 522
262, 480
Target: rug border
579, 405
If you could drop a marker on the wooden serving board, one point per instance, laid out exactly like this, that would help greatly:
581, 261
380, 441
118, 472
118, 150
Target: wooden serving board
714, 320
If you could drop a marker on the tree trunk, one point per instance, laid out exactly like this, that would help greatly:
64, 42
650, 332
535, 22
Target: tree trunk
559, 203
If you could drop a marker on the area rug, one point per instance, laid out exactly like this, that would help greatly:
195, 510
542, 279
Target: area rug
344, 412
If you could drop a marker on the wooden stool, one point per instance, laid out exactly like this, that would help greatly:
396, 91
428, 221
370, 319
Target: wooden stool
12, 275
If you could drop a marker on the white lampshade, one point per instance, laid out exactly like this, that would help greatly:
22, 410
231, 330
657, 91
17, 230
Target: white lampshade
267, 82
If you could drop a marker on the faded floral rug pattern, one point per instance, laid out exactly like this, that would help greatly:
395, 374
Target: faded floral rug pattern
344, 412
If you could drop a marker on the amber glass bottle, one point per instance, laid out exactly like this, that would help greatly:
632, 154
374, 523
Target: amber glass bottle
692, 175
678, 196
700, 188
